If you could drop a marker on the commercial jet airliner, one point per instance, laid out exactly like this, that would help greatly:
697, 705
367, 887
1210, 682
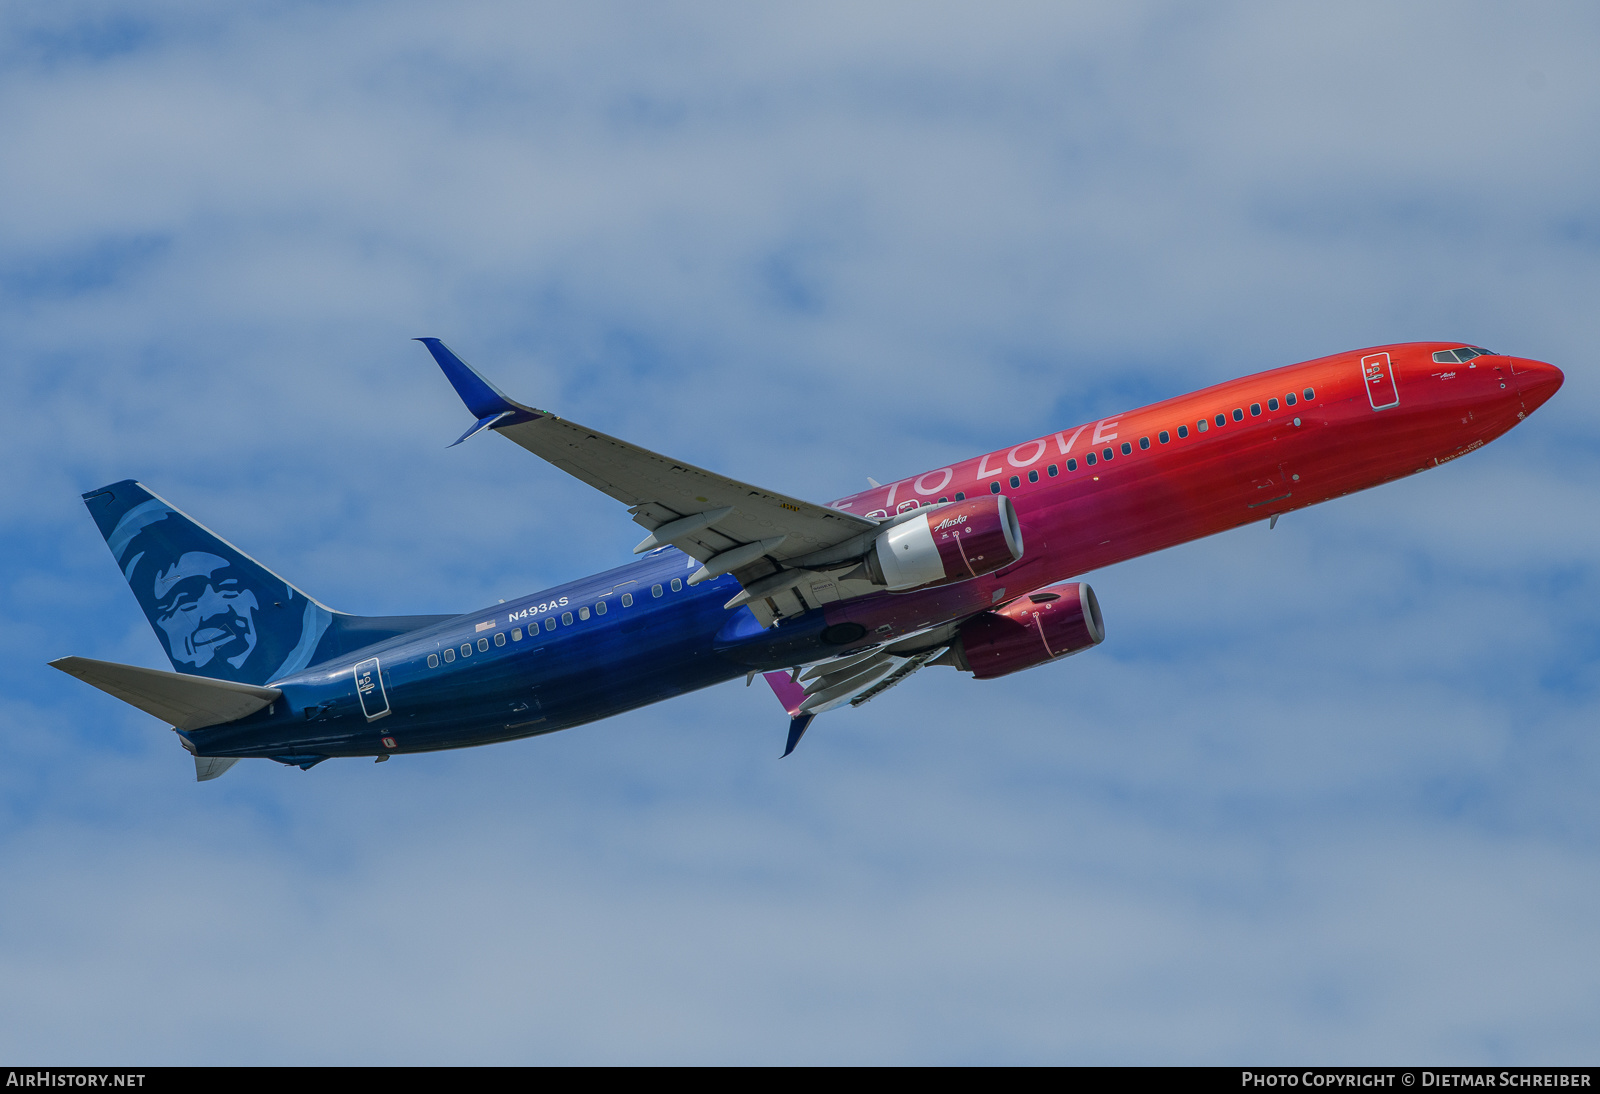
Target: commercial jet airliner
967, 566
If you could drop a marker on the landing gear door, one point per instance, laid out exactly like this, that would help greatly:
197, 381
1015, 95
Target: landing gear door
1379, 375
369, 689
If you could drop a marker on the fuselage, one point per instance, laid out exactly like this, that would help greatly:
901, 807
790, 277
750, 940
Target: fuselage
1089, 496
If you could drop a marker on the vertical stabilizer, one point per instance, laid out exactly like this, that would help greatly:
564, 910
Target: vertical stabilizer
218, 612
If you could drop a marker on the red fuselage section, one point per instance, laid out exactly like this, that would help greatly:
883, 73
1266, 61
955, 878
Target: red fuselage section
1242, 451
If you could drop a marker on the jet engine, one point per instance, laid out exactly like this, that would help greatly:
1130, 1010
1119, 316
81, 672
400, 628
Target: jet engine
947, 543
1048, 624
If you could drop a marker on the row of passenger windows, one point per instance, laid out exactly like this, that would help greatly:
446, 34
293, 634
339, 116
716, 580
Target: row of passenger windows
1107, 454
567, 620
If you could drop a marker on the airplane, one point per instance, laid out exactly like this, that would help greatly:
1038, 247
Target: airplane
967, 566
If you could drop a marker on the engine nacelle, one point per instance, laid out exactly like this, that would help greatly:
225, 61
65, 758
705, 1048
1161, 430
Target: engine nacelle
948, 543
1048, 624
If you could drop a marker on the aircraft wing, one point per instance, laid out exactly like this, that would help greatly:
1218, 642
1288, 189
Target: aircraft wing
767, 540
852, 678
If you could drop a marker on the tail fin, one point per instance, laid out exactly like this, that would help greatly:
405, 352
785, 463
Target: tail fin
219, 612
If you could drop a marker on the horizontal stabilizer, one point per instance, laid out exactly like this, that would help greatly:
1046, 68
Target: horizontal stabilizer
207, 768
187, 702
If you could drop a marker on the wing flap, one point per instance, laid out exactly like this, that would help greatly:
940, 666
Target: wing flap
661, 490
853, 678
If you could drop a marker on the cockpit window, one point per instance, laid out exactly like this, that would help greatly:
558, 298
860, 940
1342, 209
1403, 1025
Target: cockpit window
1460, 356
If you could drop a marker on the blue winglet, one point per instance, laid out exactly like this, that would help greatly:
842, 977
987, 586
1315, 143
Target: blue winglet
480, 425
797, 729
488, 403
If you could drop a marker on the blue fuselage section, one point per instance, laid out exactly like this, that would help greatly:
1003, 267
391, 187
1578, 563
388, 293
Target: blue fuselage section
560, 658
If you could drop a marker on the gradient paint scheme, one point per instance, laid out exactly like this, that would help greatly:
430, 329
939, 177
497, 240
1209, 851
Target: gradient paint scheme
1374, 415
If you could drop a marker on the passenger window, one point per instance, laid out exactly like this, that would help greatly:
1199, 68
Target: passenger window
1106, 454
1310, 394
1272, 404
655, 590
627, 600
943, 500
1183, 431
466, 650
583, 613
433, 660
566, 619
483, 645
1289, 399
499, 638
994, 488
1033, 476
549, 622
1127, 449
1144, 442
1072, 465
1238, 414
1054, 470
1255, 409
1015, 482
677, 586
1164, 437
1221, 419
961, 495
600, 608
449, 655
1202, 425
516, 634
1088, 459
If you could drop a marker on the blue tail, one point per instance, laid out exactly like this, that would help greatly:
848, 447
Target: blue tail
219, 612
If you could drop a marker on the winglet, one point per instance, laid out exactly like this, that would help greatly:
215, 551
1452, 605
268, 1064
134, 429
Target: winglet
479, 426
797, 729
791, 695
488, 403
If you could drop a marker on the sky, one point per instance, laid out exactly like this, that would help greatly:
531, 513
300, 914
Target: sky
1324, 795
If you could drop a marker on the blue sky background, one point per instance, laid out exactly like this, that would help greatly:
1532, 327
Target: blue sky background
1326, 794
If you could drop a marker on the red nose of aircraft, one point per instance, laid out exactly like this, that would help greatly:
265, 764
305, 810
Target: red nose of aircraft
1536, 381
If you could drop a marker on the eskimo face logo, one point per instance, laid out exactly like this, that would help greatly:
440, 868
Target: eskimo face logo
205, 610
220, 613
